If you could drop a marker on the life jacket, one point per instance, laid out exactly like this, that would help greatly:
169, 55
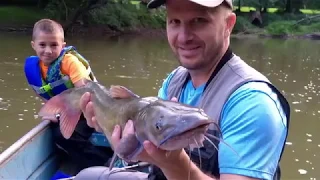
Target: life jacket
55, 82
231, 73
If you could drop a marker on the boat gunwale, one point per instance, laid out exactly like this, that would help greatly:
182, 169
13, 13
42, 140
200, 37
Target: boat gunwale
12, 150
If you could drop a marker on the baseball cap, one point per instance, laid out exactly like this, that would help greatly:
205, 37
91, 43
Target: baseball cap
208, 3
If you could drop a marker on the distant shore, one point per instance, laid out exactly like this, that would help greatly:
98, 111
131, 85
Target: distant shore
140, 22
90, 31
105, 32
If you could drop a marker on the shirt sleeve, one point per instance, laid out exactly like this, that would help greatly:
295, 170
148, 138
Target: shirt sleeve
162, 93
74, 68
254, 125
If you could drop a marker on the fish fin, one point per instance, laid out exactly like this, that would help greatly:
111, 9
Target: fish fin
129, 147
121, 92
113, 160
69, 120
69, 115
138, 150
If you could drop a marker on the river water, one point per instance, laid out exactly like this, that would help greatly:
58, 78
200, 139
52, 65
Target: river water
141, 64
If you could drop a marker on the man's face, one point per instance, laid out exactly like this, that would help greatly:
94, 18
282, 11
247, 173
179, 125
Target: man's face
195, 34
48, 46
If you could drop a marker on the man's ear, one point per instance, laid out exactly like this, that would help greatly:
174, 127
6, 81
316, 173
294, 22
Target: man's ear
231, 21
64, 44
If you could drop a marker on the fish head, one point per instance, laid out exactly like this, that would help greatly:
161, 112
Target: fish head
172, 125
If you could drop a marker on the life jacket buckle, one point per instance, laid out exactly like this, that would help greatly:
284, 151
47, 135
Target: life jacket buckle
46, 88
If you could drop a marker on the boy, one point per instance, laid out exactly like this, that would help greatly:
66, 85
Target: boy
55, 69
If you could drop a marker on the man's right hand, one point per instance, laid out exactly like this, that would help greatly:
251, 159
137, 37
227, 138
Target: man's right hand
87, 108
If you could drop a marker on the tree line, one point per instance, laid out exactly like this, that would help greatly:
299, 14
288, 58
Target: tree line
119, 14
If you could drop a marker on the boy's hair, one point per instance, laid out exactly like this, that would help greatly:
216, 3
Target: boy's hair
47, 26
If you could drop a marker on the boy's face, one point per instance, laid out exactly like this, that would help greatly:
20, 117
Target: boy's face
48, 46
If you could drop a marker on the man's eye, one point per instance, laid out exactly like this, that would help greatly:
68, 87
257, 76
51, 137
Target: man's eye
174, 21
199, 20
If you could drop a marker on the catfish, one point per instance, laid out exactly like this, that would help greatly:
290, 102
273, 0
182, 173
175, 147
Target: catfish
167, 124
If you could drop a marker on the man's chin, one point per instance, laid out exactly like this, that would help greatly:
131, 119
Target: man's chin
191, 65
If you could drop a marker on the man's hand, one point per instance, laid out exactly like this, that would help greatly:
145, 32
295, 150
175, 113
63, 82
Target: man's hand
87, 108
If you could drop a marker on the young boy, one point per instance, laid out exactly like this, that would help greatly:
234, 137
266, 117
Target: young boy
55, 69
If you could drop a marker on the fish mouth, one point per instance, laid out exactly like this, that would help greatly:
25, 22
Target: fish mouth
183, 137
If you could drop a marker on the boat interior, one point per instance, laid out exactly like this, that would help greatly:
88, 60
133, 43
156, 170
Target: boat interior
35, 156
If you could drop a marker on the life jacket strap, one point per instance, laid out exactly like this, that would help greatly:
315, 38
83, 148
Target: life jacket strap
48, 87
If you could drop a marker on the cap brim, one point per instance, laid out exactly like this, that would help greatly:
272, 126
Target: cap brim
155, 3
213, 3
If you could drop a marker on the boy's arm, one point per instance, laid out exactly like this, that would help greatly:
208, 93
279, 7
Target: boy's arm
79, 83
75, 69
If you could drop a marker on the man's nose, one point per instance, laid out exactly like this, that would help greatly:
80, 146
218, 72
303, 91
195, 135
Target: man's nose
185, 34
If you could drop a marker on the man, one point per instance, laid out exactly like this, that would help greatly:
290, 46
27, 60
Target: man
252, 113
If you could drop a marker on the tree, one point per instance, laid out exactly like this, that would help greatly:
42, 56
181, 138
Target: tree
69, 12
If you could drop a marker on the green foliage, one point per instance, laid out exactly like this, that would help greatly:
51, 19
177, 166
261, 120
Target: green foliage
274, 17
20, 2
281, 4
271, 17
282, 28
243, 25
12, 15
291, 24
127, 15
115, 15
155, 19
311, 28
291, 28
54, 10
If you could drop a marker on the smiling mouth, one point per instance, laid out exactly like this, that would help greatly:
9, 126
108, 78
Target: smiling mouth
188, 49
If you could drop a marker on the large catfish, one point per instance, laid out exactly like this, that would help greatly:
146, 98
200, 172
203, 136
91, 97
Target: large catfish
167, 124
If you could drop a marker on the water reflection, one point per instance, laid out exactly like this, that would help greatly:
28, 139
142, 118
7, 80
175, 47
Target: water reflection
142, 64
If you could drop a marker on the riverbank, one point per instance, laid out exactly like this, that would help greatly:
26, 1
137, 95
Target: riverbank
96, 32
141, 22
111, 20
92, 31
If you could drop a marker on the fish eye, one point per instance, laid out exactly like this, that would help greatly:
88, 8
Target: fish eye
159, 124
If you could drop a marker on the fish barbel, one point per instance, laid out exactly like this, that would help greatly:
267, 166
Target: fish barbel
167, 124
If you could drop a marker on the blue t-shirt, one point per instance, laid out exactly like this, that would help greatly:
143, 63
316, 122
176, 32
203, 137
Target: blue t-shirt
253, 123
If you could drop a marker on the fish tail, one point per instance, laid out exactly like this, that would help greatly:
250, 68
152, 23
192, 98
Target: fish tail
68, 114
